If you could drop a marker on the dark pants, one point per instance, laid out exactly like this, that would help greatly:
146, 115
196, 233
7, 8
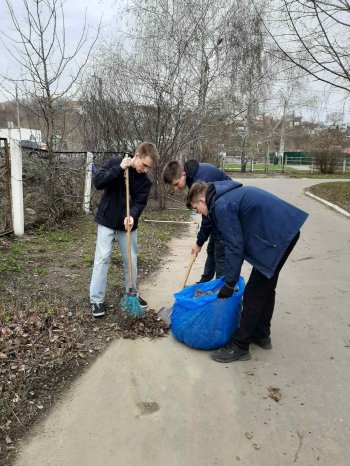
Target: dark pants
215, 263
258, 304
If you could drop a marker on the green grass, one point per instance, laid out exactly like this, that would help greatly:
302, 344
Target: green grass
10, 259
261, 166
62, 259
317, 176
337, 193
39, 271
288, 171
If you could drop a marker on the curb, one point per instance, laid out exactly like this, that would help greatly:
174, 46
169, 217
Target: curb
329, 204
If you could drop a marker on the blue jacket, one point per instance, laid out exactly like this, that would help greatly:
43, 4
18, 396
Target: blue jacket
206, 172
196, 172
256, 226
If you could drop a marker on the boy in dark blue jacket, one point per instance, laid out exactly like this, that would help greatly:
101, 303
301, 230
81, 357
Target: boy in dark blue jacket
257, 227
179, 176
112, 221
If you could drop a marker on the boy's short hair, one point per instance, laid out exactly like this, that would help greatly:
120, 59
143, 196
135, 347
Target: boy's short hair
148, 149
196, 190
172, 171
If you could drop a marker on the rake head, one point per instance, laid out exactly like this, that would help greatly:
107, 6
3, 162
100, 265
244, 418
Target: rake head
131, 304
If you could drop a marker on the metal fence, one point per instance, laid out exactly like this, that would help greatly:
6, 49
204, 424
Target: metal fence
306, 164
52, 188
44, 189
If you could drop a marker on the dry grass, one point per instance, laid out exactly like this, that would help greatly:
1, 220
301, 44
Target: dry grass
337, 193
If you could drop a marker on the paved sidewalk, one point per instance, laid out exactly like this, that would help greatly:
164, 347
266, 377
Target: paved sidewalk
156, 403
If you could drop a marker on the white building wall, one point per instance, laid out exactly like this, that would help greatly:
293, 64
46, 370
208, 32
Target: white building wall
21, 134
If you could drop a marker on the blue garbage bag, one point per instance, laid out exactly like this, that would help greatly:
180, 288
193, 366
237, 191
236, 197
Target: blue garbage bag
205, 321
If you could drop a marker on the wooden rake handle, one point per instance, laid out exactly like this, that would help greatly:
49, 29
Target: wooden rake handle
188, 270
127, 189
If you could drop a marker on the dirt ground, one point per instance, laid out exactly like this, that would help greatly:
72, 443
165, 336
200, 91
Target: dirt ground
48, 337
44, 311
159, 402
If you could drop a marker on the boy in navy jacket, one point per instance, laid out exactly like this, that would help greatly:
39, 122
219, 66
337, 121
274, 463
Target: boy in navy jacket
179, 176
112, 221
257, 227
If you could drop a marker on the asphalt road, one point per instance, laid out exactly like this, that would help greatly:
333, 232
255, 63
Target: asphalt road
160, 403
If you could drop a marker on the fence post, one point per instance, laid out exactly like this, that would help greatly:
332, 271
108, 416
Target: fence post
87, 184
16, 187
344, 165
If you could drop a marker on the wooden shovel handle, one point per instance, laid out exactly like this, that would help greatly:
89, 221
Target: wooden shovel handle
188, 270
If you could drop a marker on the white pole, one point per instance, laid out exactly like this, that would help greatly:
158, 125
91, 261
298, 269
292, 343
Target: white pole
344, 165
87, 185
16, 187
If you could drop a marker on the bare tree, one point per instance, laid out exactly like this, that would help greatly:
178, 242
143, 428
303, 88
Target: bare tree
250, 78
326, 150
178, 81
40, 47
48, 69
314, 35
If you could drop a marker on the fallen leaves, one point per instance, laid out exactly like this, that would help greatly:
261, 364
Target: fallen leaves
149, 325
35, 343
41, 349
274, 393
202, 293
249, 436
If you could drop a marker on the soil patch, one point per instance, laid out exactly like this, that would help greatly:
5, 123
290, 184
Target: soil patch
48, 336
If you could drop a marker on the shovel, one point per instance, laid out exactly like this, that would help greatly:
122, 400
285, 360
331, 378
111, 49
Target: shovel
165, 312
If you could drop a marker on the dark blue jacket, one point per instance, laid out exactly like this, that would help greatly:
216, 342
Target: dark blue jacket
256, 226
112, 208
196, 172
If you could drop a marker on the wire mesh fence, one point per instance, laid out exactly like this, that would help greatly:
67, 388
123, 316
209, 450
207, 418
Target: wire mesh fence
52, 188
5, 189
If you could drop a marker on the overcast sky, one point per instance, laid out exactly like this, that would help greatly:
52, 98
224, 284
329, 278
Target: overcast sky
107, 11
329, 100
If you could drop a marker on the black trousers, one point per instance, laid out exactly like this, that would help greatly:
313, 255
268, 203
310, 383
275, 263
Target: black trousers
215, 264
258, 304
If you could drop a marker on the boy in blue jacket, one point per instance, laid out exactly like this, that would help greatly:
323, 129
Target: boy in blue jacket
112, 221
257, 227
179, 176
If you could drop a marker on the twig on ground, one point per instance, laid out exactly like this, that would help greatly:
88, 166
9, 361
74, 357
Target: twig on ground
301, 437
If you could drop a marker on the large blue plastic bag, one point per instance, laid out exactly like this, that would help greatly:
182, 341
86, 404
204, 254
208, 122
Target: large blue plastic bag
205, 321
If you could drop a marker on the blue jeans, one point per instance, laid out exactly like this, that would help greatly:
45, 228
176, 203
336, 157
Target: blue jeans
104, 247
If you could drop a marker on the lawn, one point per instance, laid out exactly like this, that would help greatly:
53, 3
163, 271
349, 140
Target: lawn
337, 193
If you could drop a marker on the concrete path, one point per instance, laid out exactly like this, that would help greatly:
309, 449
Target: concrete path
156, 403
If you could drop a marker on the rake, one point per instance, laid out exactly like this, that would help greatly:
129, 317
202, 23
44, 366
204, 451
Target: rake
130, 302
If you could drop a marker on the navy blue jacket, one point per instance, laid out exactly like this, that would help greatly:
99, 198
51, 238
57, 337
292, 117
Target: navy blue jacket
112, 208
256, 226
196, 172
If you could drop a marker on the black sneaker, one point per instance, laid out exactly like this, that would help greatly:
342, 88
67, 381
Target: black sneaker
230, 353
264, 343
143, 303
98, 309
